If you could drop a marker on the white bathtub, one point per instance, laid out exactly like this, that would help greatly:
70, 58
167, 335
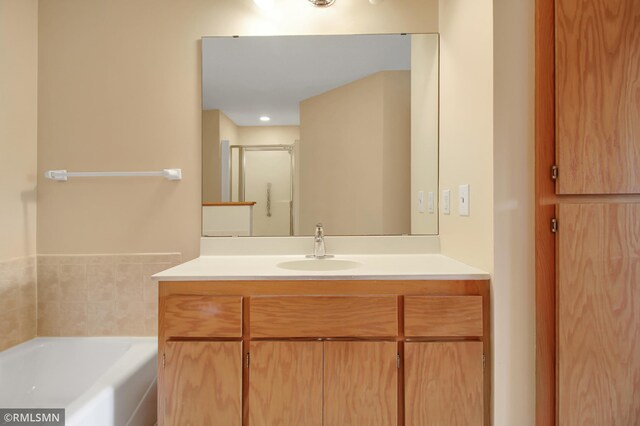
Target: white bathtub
100, 381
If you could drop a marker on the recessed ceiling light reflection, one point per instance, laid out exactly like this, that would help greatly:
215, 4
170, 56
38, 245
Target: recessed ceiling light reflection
265, 118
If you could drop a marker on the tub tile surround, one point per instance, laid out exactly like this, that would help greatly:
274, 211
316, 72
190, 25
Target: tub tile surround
99, 295
17, 301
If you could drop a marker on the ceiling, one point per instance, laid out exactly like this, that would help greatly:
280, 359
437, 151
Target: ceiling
248, 77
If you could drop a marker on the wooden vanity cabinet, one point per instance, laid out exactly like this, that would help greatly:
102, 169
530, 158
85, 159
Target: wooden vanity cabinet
285, 384
443, 383
324, 353
361, 383
203, 383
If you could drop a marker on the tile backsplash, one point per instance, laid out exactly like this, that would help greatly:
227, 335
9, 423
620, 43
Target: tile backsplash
17, 301
99, 295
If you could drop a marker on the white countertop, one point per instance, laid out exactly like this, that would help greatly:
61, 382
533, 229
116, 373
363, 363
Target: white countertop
372, 267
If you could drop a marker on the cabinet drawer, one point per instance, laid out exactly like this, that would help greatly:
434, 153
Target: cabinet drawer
443, 316
203, 316
324, 316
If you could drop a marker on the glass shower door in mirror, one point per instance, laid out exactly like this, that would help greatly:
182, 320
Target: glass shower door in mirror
265, 176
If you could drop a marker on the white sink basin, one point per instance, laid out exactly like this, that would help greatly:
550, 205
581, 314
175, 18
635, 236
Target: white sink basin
319, 265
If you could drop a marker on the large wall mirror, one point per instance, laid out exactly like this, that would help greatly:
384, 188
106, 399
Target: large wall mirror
341, 130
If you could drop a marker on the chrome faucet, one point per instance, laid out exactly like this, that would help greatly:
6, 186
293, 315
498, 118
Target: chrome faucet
318, 242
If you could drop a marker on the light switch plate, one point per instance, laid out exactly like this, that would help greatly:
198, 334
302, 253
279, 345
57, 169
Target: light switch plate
463, 199
420, 201
431, 202
446, 201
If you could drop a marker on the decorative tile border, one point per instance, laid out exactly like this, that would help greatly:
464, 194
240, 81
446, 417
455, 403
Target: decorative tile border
99, 295
17, 301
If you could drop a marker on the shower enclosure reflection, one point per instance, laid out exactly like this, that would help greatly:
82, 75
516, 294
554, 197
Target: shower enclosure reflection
264, 174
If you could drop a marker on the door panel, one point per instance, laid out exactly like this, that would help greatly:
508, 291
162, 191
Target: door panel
360, 383
443, 384
285, 384
599, 314
203, 383
598, 101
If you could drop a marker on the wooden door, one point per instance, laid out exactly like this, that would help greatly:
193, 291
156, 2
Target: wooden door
443, 384
597, 96
599, 314
285, 384
203, 383
360, 383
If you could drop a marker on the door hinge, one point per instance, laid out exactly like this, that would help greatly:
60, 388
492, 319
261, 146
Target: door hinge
554, 172
484, 361
554, 225
163, 360
398, 361
247, 360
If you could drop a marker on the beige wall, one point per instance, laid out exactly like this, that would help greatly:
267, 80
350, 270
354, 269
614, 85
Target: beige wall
341, 159
268, 135
18, 143
216, 127
130, 99
466, 127
346, 155
513, 284
424, 130
396, 153
211, 156
18, 126
229, 131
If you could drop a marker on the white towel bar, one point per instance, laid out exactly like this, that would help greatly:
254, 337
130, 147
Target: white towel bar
63, 175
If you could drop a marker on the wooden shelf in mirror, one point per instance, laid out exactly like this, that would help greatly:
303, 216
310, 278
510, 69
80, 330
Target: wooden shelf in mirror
230, 204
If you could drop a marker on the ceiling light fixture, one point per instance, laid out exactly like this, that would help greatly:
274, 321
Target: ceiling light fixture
322, 3
265, 118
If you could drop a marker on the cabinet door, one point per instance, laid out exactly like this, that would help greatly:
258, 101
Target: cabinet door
599, 314
285, 384
598, 109
443, 384
203, 383
360, 383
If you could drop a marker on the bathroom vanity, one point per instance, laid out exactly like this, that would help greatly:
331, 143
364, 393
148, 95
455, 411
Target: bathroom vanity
398, 336
244, 341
